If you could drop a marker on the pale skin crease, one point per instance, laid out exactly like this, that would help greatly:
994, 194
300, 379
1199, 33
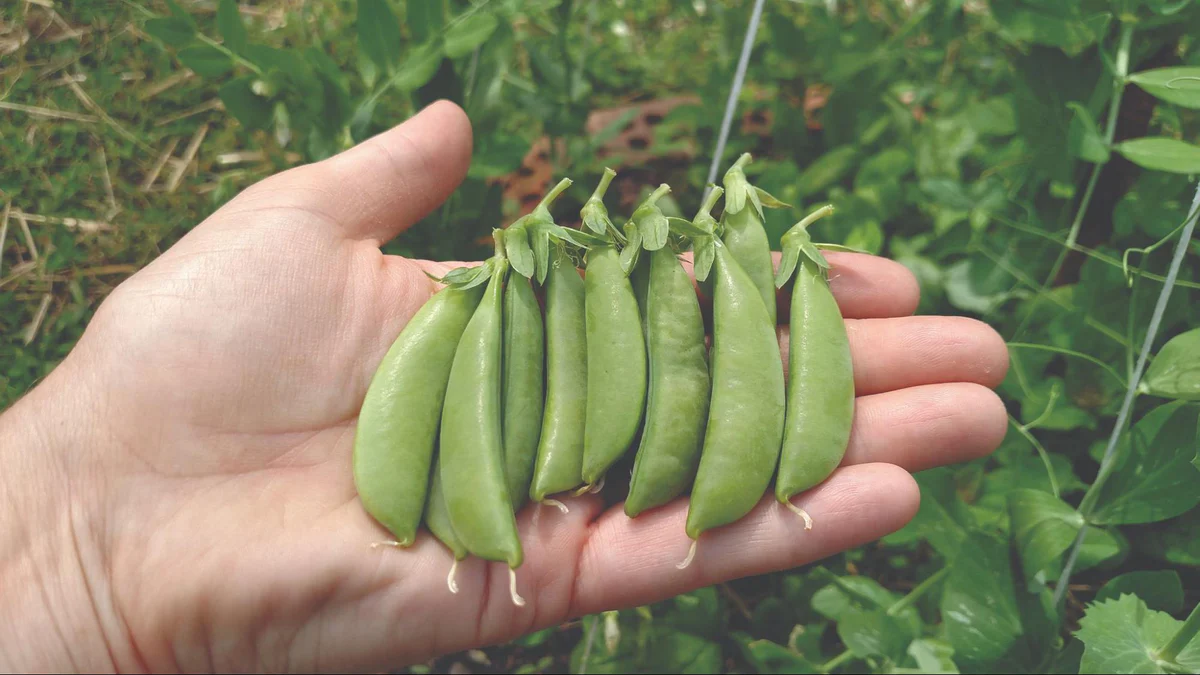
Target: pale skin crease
177, 494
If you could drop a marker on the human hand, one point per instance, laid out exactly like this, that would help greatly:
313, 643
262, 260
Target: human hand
178, 493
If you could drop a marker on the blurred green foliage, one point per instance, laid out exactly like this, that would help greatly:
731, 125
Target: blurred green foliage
1028, 160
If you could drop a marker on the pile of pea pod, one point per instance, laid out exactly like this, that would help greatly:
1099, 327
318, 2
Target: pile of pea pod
486, 400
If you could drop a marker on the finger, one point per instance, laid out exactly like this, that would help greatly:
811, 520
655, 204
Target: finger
865, 286
381, 186
892, 354
922, 427
628, 562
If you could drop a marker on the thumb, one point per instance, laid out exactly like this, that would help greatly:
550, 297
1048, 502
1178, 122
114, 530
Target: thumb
381, 186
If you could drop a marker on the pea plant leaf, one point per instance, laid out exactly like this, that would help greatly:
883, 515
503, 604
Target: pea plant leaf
230, 26
1180, 85
378, 34
252, 110
1162, 154
1043, 526
1175, 371
205, 60
464, 36
770, 657
1123, 636
875, 633
979, 605
1161, 590
171, 31
418, 69
1153, 477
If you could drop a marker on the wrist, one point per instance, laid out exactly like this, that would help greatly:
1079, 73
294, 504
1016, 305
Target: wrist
55, 601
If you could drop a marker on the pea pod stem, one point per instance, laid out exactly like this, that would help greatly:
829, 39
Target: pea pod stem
659, 192
813, 217
710, 202
742, 161
602, 187
554, 193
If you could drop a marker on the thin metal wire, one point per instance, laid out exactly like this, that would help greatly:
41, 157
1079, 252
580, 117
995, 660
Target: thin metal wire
1131, 392
739, 78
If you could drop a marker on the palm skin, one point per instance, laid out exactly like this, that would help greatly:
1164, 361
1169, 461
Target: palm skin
217, 392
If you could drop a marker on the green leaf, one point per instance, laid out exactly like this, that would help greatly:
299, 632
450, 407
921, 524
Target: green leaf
1162, 154
516, 247
1153, 477
770, 657
230, 26
463, 37
1084, 139
1175, 371
379, 33
933, 657
825, 171
874, 633
1122, 636
205, 60
1043, 526
1180, 85
171, 31
979, 605
360, 121
1059, 24
866, 236
1161, 590
252, 110
424, 18
418, 69
498, 154
1174, 541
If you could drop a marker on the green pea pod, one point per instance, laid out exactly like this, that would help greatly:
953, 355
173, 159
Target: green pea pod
559, 465
472, 446
820, 393
398, 424
744, 233
616, 364
746, 414
437, 518
747, 242
677, 398
523, 386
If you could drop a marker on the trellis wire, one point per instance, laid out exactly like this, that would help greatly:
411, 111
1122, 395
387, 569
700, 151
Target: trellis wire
1160, 307
739, 78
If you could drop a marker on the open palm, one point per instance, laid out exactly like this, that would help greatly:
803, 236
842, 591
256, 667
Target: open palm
227, 378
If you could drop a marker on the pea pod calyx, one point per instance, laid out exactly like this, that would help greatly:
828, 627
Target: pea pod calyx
704, 250
798, 242
527, 245
739, 191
